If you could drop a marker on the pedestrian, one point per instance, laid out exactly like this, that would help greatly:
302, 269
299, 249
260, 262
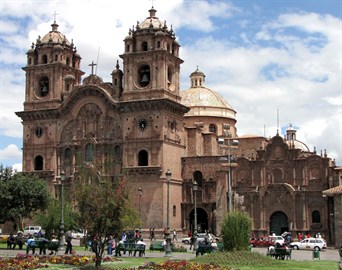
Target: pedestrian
19, 240
11, 241
68, 239
124, 241
191, 241
110, 245
174, 235
30, 244
54, 245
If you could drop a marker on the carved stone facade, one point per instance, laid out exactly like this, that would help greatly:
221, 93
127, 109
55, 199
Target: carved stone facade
141, 123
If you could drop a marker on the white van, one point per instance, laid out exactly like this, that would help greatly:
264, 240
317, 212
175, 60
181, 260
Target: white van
32, 230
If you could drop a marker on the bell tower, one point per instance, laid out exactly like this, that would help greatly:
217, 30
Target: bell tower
151, 61
52, 70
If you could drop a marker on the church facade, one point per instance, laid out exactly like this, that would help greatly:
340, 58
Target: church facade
143, 124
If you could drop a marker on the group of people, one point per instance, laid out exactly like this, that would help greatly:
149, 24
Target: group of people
127, 241
38, 240
13, 241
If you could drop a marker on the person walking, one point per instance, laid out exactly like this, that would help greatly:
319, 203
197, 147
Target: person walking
68, 238
174, 235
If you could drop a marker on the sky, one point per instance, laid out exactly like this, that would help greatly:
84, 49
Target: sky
277, 62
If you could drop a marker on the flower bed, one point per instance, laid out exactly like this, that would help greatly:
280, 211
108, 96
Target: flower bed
22, 261
181, 265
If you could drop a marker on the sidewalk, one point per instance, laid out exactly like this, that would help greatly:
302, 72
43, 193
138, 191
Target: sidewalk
175, 255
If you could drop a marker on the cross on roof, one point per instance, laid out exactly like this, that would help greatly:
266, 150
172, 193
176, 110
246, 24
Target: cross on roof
92, 67
54, 16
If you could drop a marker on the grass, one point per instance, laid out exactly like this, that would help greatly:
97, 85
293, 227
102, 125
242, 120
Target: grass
243, 260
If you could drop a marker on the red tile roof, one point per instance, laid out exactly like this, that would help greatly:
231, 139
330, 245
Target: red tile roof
333, 191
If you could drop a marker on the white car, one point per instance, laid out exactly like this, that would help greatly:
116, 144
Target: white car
32, 230
309, 243
78, 234
200, 238
277, 239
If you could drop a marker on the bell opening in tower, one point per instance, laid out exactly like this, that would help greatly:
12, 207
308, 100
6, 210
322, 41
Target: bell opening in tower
144, 76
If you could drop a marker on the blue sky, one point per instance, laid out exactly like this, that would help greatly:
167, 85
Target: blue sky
261, 56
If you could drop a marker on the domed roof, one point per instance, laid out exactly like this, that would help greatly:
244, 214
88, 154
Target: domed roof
202, 96
54, 36
203, 101
152, 21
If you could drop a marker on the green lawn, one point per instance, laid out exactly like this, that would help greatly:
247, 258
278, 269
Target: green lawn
236, 260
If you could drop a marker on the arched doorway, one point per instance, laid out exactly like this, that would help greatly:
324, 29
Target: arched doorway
279, 223
202, 220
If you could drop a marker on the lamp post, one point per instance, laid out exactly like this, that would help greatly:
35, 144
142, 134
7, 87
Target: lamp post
140, 193
168, 252
61, 241
195, 186
230, 203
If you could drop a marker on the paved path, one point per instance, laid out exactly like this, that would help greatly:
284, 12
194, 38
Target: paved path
330, 254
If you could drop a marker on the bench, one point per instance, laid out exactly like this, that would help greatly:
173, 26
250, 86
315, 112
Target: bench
157, 245
280, 253
131, 248
202, 249
220, 246
43, 244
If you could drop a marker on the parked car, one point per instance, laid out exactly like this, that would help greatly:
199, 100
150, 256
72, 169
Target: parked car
310, 243
201, 238
266, 241
78, 234
32, 230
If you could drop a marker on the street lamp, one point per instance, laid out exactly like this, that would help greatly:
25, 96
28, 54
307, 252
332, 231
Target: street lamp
230, 193
61, 180
230, 202
195, 186
168, 252
140, 193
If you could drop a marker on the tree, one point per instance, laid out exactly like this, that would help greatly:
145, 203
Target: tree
104, 206
21, 196
50, 219
236, 228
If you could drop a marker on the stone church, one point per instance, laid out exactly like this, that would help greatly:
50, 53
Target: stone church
144, 124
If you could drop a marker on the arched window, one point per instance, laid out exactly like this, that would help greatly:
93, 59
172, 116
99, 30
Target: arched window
277, 176
174, 211
212, 128
67, 153
56, 57
44, 59
143, 158
38, 163
144, 46
158, 44
198, 177
89, 152
117, 151
68, 61
316, 217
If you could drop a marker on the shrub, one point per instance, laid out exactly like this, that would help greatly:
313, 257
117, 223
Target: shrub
236, 229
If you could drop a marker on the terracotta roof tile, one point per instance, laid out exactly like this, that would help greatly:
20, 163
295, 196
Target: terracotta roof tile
333, 191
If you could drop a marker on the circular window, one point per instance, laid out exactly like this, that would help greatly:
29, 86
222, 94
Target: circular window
38, 132
144, 76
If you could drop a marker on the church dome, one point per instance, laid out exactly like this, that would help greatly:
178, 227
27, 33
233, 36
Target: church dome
203, 101
54, 36
152, 21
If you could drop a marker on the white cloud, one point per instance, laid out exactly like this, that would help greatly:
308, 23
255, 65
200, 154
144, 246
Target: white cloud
292, 62
10, 152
